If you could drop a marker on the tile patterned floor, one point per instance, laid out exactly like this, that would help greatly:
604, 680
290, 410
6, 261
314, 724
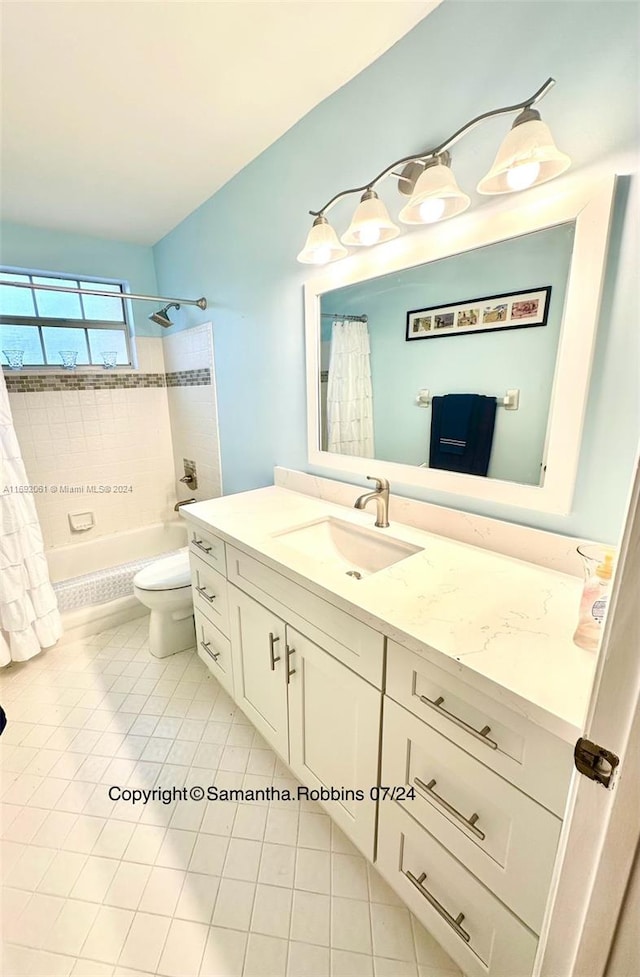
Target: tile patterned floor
98, 888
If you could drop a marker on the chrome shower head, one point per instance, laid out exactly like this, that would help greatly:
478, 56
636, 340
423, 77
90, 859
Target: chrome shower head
161, 317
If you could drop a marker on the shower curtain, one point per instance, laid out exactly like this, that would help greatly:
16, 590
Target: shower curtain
349, 391
29, 618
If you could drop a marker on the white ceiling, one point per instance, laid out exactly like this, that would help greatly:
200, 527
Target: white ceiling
120, 118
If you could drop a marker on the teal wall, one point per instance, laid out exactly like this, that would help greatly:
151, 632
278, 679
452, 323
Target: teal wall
239, 247
486, 363
47, 250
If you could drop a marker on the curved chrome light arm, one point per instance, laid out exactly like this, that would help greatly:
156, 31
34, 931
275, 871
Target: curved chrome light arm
443, 147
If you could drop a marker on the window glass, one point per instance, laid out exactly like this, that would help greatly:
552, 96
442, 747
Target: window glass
15, 301
57, 305
99, 306
108, 341
43, 324
21, 337
58, 339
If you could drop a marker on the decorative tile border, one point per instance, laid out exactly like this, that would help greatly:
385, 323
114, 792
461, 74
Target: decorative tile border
189, 378
101, 585
45, 382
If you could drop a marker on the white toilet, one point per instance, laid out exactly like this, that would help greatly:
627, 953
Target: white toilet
165, 588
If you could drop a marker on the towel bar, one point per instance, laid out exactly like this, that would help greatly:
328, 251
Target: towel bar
510, 401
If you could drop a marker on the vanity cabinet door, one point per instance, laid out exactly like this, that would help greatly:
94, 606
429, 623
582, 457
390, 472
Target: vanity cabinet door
334, 722
258, 651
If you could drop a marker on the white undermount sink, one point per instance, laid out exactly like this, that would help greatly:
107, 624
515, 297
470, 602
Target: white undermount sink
345, 547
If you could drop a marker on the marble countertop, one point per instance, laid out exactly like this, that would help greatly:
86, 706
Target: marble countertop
502, 625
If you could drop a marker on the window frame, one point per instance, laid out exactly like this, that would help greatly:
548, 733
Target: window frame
125, 326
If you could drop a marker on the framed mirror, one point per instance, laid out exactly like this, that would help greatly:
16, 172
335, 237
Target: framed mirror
500, 308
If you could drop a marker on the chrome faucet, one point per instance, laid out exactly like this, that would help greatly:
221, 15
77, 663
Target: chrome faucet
183, 502
381, 495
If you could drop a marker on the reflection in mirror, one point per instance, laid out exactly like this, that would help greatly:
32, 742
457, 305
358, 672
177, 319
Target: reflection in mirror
479, 323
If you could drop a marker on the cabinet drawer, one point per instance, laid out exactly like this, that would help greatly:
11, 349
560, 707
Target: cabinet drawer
528, 756
354, 643
209, 548
215, 651
481, 935
209, 593
507, 840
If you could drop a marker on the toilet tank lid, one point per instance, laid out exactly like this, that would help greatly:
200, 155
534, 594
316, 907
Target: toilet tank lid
169, 573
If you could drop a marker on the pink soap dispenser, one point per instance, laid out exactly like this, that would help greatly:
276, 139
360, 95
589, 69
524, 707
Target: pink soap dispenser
598, 570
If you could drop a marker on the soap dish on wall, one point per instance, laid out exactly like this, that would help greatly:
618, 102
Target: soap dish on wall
80, 522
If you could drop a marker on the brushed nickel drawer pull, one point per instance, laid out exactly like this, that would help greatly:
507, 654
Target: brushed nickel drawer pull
207, 647
453, 923
480, 734
203, 593
289, 653
469, 823
272, 650
199, 543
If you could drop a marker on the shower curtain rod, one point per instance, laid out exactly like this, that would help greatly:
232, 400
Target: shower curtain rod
201, 303
337, 315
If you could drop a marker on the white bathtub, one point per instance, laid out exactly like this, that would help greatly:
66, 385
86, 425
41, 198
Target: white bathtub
99, 556
110, 551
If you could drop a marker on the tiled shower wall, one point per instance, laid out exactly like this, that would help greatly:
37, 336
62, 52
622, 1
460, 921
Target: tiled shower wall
103, 437
189, 364
119, 436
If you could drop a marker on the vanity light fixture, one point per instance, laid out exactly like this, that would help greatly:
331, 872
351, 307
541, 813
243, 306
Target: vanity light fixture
370, 223
436, 195
528, 156
322, 244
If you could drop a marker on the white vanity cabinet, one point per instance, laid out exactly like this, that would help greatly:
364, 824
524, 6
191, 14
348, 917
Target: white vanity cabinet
320, 717
473, 853
504, 837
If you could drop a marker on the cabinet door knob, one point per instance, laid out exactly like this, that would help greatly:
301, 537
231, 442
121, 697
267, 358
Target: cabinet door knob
272, 650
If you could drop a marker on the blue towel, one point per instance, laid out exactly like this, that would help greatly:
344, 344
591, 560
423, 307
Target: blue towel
462, 428
454, 423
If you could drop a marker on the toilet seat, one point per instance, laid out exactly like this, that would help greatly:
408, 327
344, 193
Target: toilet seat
170, 573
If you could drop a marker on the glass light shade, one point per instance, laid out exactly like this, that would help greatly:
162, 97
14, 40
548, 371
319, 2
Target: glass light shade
528, 156
322, 244
436, 197
370, 223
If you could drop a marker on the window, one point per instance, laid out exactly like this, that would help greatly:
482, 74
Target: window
44, 324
